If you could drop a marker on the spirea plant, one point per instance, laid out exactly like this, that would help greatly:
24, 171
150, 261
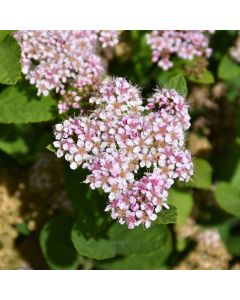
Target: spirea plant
120, 148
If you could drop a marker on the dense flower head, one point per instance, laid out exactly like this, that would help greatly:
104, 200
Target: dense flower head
133, 152
68, 62
186, 44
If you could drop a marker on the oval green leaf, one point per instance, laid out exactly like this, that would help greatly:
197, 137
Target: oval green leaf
18, 106
205, 78
183, 201
138, 240
167, 216
176, 82
150, 261
228, 198
228, 69
10, 67
94, 248
56, 244
202, 177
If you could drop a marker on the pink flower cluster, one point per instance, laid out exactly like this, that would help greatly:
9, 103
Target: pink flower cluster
185, 44
133, 152
109, 38
68, 62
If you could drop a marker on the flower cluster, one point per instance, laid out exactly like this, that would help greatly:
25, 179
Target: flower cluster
235, 51
186, 44
109, 38
68, 62
133, 152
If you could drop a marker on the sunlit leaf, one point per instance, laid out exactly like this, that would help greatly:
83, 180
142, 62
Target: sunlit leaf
228, 198
202, 176
10, 53
17, 106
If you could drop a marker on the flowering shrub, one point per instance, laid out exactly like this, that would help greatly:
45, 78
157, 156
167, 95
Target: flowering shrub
119, 149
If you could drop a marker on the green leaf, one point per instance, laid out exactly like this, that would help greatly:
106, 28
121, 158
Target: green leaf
228, 198
56, 244
18, 106
150, 261
181, 244
232, 88
138, 240
141, 58
16, 141
94, 248
23, 229
4, 33
88, 234
205, 78
235, 179
167, 216
10, 68
202, 177
89, 204
228, 69
233, 245
183, 201
51, 148
176, 82
14, 146
75, 187
225, 161
229, 231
